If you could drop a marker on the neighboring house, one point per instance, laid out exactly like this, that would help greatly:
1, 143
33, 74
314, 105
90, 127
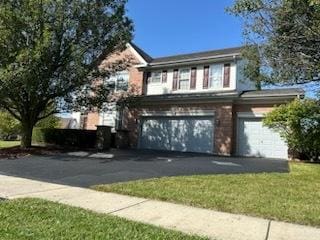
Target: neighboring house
199, 102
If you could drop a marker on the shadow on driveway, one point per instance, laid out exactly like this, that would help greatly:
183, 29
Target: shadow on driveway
82, 169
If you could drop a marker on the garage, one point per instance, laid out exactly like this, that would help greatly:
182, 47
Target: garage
173, 133
256, 140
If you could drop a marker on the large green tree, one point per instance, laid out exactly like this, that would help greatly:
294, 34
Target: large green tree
50, 51
283, 39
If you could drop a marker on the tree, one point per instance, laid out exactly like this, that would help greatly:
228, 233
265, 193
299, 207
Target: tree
8, 125
298, 123
50, 51
285, 35
49, 122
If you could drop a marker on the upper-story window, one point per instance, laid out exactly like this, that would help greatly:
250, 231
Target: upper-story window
216, 76
156, 77
184, 79
118, 81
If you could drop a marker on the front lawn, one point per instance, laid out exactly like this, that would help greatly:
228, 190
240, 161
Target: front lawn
8, 144
292, 197
36, 219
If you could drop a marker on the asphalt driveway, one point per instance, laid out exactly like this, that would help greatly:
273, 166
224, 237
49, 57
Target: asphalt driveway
83, 170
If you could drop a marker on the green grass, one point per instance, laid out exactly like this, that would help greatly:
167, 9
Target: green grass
8, 144
26, 219
292, 197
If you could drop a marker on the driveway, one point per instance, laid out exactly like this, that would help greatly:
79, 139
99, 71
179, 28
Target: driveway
83, 170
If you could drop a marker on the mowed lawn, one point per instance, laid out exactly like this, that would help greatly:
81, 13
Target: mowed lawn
8, 144
292, 197
36, 219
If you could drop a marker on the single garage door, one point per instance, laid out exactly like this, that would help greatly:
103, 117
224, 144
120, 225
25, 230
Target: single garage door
184, 134
256, 140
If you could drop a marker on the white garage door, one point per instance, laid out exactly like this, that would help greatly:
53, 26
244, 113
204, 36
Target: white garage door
185, 134
256, 140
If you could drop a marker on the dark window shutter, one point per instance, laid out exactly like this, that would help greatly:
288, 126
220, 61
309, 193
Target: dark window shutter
148, 77
205, 77
226, 76
164, 76
175, 80
193, 82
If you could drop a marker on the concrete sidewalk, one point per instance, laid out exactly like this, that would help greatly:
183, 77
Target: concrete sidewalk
207, 223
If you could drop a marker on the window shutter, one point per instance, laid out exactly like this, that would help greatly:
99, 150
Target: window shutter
193, 82
164, 76
148, 77
175, 80
205, 77
226, 77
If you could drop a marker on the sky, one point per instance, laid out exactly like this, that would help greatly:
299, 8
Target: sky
169, 27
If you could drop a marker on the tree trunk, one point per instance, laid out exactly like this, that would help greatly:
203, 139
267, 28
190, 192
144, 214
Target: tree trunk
26, 136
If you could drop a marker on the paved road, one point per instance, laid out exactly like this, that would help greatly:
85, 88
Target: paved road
119, 166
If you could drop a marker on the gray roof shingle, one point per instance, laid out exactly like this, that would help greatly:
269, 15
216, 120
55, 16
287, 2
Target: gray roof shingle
273, 92
187, 57
197, 55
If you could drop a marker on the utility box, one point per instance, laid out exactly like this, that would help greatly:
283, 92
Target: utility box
103, 141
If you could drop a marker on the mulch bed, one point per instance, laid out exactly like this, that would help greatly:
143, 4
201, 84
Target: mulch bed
17, 152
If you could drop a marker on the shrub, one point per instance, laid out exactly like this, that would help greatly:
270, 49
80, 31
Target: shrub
9, 126
65, 137
49, 122
298, 123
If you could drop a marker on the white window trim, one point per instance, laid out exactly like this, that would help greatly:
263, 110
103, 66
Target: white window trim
173, 113
116, 79
151, 78
251, 114
222, 76
189, 79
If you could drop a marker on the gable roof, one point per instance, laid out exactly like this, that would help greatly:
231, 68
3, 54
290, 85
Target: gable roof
142, 53
180, 59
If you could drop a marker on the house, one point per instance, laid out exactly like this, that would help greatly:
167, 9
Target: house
198, 102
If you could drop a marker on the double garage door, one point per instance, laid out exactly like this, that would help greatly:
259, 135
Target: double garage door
256, 140
184, 134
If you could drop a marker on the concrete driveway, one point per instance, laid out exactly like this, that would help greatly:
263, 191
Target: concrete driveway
83, 170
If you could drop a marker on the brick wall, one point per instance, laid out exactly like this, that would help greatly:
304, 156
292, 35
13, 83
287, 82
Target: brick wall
135, 80
92, 121
223, 123
135, 76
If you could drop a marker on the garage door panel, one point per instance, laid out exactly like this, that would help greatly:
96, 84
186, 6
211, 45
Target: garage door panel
256, 140
154, 133
186, 134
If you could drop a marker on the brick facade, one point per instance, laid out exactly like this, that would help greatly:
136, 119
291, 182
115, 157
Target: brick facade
92, 121
225, 117
135, 80
223, 122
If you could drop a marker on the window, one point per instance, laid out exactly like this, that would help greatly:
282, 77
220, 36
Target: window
216, 76
155, 77
118, 81
184, 78
122, 82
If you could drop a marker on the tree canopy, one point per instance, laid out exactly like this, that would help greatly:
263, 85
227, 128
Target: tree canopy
50, 51
282, 38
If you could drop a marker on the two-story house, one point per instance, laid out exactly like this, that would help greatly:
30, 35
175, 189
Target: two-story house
201, 102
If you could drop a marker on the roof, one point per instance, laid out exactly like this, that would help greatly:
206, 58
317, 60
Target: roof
197, 55
267, 95
280, 92
142, 53
219, 54
190, 96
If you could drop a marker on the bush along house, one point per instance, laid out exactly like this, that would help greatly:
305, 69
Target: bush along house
199, 102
